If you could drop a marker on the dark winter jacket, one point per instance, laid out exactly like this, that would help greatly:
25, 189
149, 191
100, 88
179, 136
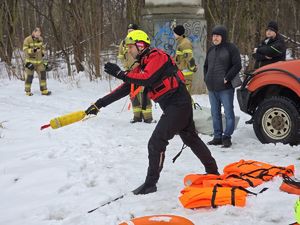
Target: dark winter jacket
222, 61
274, 48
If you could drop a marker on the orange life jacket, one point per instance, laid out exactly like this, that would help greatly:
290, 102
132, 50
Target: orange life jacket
204, 190
255, 169
197, 197
198, 180
210, 180
233, 181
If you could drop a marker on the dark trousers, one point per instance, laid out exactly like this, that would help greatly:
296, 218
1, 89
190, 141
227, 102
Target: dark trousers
176, 119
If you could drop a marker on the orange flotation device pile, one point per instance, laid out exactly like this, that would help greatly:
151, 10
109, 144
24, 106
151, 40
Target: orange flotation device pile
209, 190
159, 220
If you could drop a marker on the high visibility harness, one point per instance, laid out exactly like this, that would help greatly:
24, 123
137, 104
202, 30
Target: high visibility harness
133, 93
210, 190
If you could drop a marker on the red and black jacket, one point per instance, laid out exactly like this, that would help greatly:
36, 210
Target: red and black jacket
157, 72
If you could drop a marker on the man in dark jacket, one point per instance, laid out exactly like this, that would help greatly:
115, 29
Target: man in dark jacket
222, 64
163, 83
272, 49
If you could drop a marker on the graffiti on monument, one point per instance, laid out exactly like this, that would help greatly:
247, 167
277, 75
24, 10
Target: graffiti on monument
164, 38
197, 32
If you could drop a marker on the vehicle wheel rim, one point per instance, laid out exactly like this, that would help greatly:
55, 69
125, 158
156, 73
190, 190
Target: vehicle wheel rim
276, 123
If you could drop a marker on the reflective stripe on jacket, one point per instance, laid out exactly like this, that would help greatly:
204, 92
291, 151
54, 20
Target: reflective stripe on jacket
34, 50
184, 56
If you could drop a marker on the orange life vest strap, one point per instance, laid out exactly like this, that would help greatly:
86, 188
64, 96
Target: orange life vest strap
133, 92
233, 189
239, 177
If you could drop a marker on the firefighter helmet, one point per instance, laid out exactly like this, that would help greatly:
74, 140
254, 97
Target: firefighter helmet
137, 36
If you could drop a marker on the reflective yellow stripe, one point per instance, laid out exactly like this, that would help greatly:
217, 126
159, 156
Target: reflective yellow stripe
185, 51
120, 56
35, 44
276, 49
179, 52
187, 73
46, 92
137, 109
34, 61
147, 111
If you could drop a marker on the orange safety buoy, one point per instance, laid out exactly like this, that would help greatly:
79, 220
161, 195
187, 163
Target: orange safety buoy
159, 220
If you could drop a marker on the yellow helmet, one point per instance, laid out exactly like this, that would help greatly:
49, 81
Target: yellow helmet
137, 36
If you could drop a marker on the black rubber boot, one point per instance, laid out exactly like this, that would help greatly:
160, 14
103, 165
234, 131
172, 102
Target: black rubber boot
148, 120
145, 189
215, 141
226, 142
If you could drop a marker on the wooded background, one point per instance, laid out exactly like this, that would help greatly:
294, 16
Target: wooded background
82, 34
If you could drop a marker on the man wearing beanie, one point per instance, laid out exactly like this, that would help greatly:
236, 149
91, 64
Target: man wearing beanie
272, 49
136, 97
222, 64
184, 56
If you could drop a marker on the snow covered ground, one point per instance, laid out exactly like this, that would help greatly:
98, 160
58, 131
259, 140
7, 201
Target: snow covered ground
56, 176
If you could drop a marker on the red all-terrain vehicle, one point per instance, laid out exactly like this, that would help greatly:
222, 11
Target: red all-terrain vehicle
271, 94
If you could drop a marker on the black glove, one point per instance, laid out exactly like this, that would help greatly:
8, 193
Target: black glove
29, 65
93, 109
114, 70
35, 49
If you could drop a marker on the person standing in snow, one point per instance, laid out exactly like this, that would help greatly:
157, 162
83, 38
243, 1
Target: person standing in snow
34, 51
130, 63
184, 56
272, 49
222, 64
163, 83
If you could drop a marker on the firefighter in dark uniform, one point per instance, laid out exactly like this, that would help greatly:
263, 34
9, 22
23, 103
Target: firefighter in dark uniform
34, 51
163, 83
136, 91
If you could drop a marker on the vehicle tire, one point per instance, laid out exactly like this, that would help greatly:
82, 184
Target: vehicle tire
277, 119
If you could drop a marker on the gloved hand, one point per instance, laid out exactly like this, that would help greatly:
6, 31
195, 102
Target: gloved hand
92, 110
36, 49
29, 65
114, 70
195, 69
